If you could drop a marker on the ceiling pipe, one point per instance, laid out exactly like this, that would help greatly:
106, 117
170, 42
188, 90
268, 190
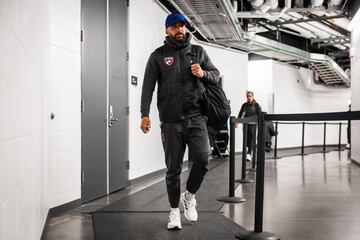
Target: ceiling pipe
315, 31
287, 6
316, 3
239, 32
334, 3
256, 3
235, 5
264, 5
299, 3
269, 3
298, 28
320, 30
341, 22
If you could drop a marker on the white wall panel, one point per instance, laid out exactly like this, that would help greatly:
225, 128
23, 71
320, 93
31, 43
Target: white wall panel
260, 82
26, 92
64, 161
7, 169
2, 225
9, 217
146, 152
24, 50
63, 38
64, 59
64, 197
355, 90
63, 94
63, 141
63, 182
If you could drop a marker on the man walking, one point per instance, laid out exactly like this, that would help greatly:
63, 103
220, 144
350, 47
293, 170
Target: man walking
248, 109
175, 67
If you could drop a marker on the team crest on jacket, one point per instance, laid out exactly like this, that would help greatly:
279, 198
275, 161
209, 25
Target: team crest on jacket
169, 60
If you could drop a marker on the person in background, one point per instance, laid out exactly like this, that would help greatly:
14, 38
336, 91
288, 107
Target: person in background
268, 134
248, 109
171, 67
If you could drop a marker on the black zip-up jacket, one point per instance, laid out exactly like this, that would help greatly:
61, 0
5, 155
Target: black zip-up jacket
178, 96
249, 109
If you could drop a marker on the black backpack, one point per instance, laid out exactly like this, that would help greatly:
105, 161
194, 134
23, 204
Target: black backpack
215, 105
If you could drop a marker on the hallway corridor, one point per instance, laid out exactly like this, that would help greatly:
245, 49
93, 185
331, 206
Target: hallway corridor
311, 197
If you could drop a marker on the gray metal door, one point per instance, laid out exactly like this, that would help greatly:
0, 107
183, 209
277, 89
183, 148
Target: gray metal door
94, 99
104, 90
118, 96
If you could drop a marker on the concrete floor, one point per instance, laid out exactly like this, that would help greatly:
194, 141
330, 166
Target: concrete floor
311, 197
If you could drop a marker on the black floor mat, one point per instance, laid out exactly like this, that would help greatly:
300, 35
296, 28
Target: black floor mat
154, 198
152, 226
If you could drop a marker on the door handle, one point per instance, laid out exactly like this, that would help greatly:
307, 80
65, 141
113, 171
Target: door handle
111, 116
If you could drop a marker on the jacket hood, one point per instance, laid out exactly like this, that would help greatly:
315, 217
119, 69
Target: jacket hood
172, 43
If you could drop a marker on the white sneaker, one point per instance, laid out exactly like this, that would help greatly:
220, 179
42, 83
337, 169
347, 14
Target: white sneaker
174, 220
248, 157
190, 212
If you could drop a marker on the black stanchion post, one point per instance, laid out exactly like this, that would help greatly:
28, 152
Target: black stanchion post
339, 146
258, 234
324, 144
245, 129
253, 159
243, 164
253, 162
303, 138
276, 137
231, 198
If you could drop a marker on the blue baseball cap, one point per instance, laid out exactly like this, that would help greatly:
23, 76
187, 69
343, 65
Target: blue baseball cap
174, 17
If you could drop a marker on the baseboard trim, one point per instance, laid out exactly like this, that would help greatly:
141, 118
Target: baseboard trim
299, 147
56, 211
311, 146
46, 227
147, 176
353, 161
152, 174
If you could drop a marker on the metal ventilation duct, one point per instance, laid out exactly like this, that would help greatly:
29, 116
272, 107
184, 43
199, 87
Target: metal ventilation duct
217, 22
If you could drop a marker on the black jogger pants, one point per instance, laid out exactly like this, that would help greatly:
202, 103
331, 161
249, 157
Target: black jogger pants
175, 136
251, 137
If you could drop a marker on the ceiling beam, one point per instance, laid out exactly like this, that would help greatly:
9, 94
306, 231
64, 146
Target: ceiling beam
333, 43
338, 38
279, 23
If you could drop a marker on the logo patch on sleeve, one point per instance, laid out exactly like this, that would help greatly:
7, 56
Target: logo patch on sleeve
169, 60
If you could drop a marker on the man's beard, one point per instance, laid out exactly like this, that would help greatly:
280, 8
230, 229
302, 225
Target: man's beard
179, 37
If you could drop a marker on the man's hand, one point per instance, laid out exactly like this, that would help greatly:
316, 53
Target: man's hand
145, 124
196, 70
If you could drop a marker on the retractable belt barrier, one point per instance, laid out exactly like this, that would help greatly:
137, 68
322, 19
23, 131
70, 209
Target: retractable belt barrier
232, 198
258, 233
303, 133
246, 122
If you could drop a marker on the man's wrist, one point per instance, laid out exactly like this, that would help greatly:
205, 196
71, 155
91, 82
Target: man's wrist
204, 74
